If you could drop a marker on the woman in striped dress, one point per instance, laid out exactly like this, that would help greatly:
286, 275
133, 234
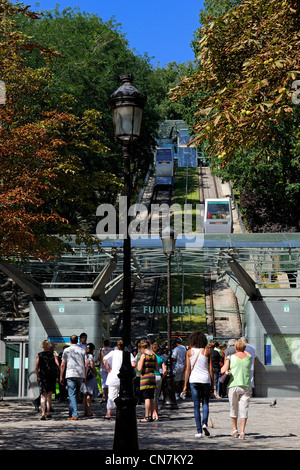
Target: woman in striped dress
147, 365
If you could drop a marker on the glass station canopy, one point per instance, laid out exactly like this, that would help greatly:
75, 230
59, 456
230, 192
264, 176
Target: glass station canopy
271, 253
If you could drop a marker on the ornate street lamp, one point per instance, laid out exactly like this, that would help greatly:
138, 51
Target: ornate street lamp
127, 105
168, 238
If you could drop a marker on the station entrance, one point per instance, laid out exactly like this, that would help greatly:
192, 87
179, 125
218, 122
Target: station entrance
74, 294
17, 363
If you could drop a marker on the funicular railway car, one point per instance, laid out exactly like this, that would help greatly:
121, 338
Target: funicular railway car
183, 137
218, 216
164, 166
187, 157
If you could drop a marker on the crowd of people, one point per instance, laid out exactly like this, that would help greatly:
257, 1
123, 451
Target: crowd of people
200, 370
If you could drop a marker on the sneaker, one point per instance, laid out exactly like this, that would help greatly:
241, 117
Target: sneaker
73, 417
206, 431
177, 396
199, 434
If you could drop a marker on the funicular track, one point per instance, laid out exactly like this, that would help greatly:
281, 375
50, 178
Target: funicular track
223, 320
147, 293
209, 186
145, 296
160, 196
222, 310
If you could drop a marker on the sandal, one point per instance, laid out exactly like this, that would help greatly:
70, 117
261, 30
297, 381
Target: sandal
242, 435
147, 419
234, 433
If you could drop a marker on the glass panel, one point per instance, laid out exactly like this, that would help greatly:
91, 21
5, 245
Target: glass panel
183, 139
187, 157
127, 121
26, 369
218, 210
13, 362
164, 155
282, 350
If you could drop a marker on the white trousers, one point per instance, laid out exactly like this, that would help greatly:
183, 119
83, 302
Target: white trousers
239, 398
113, 392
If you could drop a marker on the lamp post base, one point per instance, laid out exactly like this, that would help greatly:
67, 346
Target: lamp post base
169, 401
126, 435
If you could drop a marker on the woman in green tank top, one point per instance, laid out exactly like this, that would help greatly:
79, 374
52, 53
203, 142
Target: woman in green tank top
239, 387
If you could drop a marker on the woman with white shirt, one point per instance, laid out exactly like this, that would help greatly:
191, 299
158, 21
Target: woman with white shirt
199, 372
113, 362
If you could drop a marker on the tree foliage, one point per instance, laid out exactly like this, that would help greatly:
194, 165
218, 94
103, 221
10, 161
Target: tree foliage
95, 53
165, 78
41, 165
60, 69
245, 120
248, 61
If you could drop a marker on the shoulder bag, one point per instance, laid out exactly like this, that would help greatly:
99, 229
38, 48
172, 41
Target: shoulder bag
195, 360
90, 374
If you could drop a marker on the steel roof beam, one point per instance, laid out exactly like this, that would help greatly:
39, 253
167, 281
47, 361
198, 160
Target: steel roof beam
25, 282
244, 279
103, 278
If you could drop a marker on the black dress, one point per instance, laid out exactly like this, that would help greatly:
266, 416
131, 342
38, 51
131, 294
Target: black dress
48, 372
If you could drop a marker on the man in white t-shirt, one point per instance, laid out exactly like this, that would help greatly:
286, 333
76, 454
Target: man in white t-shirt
178, 356
76, 364
113, 363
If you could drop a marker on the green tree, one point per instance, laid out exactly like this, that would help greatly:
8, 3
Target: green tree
95, 54
166, 78
245, 119
41, 167
269, 190
248, 61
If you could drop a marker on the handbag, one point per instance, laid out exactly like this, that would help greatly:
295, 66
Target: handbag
224, 378
90, 374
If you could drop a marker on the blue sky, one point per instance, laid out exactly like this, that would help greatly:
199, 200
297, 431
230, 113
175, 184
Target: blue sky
162, 28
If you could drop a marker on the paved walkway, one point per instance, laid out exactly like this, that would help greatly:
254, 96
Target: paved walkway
268, 428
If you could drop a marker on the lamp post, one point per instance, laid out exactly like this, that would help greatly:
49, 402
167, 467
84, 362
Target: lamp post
168, 238
127, 108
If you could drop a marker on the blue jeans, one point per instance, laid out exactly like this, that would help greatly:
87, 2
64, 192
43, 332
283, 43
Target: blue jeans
74, 384
200, 394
